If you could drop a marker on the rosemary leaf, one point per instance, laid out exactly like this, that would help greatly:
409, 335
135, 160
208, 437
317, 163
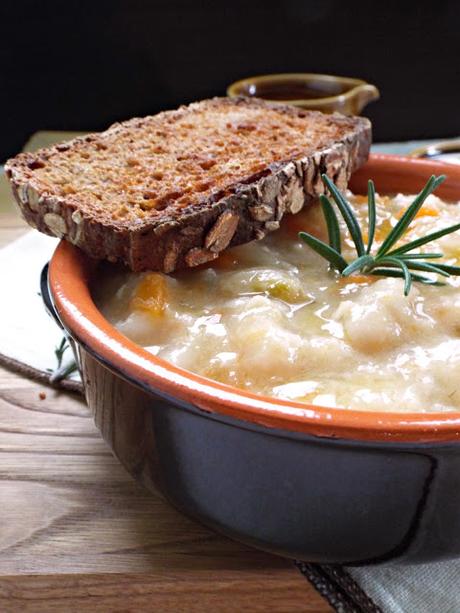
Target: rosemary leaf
397, 263
423, 240
372, 214
347, 214
392, 272
332, 222
62, 372
420, 256
451, 270
426, 267
327, 252
60, 350
358, 264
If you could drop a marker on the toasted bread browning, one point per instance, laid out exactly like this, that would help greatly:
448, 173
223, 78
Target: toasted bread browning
153, 176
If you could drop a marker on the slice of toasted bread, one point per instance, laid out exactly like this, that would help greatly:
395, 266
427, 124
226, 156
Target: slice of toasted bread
175, 189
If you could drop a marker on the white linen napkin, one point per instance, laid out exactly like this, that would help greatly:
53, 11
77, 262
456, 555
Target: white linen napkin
425, 588
28, 335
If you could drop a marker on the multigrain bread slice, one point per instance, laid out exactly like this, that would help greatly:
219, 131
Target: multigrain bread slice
175, 189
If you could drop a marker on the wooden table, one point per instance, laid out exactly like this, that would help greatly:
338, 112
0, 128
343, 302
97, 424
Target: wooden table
78, 534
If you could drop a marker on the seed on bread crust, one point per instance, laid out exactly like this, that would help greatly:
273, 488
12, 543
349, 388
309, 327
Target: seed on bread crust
197, 256
220, 235
56, 224
170, 259
77, 217
263, 212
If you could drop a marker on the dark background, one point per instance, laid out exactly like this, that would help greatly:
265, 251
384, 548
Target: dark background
81, 65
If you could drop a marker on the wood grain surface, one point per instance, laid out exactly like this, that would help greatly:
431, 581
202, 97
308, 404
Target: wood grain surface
78, 534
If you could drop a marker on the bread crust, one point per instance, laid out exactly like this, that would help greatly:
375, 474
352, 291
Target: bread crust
196, 234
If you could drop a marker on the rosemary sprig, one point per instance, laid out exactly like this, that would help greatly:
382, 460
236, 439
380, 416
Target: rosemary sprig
387, 261
60, 350
62, 370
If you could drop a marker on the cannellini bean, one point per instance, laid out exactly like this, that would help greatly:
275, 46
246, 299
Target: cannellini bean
381, 318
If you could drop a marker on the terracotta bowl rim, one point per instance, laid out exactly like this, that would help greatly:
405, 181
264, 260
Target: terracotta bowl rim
69, 279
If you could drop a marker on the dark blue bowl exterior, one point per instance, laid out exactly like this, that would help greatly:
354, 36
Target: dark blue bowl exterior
316, 499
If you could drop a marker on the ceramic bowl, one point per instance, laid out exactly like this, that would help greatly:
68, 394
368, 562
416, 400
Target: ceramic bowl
320, 92
444, 151
315, 483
